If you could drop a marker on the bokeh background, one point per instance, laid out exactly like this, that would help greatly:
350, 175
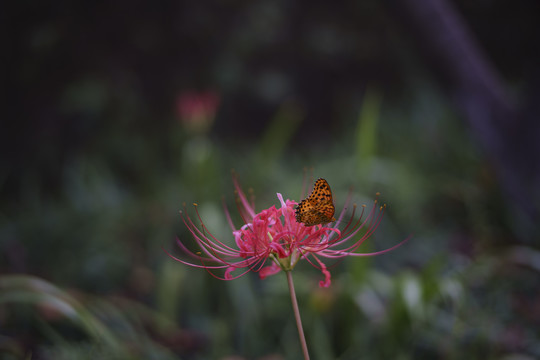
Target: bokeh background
115, 113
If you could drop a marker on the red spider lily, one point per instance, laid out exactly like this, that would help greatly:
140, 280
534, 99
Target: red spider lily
197, 110
275, 234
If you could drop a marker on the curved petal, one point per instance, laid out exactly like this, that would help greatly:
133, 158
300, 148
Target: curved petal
269, 270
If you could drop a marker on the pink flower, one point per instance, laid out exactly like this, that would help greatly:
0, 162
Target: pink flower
272, 240
197, 110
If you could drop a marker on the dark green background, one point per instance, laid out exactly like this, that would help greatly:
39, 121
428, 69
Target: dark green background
374, 95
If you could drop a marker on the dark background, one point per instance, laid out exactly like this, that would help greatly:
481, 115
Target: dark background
433, 103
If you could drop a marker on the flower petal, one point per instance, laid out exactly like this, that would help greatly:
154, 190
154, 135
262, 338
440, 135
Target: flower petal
269, 270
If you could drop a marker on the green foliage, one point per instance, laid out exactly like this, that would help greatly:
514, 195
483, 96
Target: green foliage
101, 241
366, 138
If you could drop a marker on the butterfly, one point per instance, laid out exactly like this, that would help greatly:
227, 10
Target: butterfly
318, 207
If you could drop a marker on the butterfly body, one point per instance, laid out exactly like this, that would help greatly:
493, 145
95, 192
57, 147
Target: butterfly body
318, 207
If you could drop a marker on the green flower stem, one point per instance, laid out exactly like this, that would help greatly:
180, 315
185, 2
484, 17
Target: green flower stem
297, 315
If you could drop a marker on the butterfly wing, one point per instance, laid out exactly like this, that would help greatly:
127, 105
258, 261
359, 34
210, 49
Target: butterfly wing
304, 211
326, 210
318, 207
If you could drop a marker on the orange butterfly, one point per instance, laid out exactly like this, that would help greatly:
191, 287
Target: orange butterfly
318, 207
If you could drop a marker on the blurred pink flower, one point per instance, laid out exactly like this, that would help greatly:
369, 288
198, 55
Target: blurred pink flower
197, 110
275, 234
